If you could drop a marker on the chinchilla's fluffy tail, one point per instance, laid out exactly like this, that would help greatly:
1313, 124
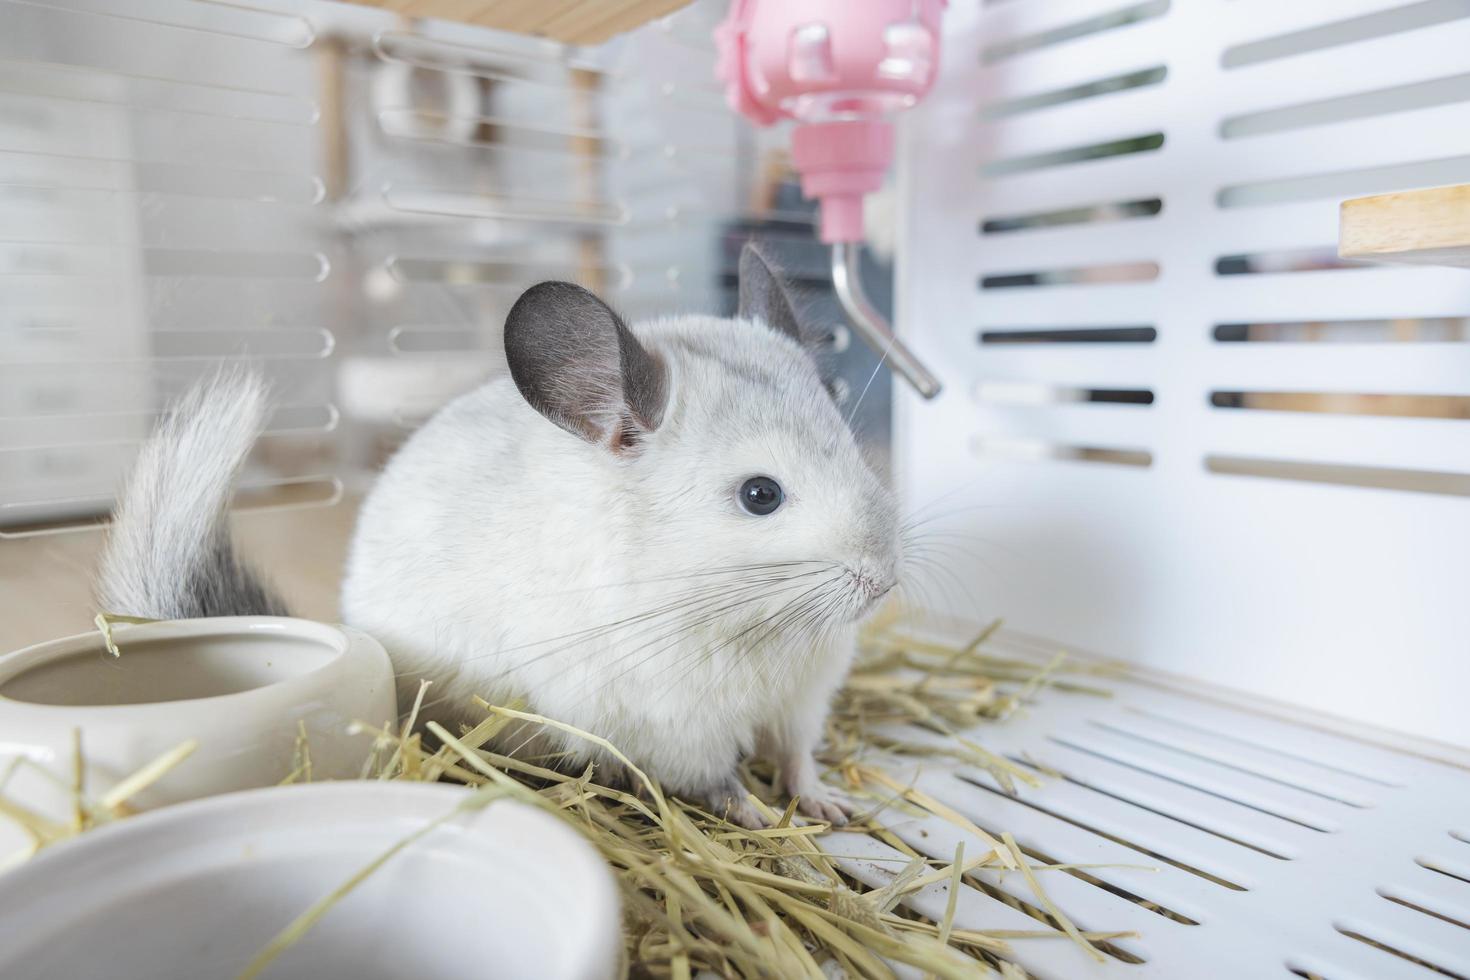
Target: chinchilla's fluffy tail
169, 554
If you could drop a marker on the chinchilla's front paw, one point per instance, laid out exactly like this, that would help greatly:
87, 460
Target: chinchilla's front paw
731, 801
819, 801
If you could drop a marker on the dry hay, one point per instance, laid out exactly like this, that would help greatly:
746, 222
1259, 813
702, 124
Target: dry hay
702, 894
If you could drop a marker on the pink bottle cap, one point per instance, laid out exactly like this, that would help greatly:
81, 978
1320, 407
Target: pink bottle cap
838, 68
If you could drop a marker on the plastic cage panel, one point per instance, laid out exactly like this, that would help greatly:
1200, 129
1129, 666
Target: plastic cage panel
1177, 427
1231, 837
349, 199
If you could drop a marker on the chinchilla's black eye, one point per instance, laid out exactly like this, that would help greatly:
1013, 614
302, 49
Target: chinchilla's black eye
761, 495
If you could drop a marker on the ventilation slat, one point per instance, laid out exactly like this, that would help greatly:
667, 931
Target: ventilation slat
1008, 93
1191, 891
1399, 59
76, 262
1004, 395
1114, 145
1072, 124
168, 302
1083, 424
1447, 896
464, 203
1126, 177
1313, 184
1341, 958
63, 181
1455, 868
1316, 24
1423, 936
1376, 755
1409, 444
1093, 89
55, 35
1055, 65
1292, 224
1106, 303
163, 221
71, 345
100, 132
83, 83
1252, 792
1075, 246
1397, 330
1447, 90
1090, 213
875, 864
1313, 751
54, 430
1136, 818
52, 514
152, 125
1407, 368
1126, 365
1363, 293
1187, 889
1314, 779
1021, 18
1087, 905
1400, 138
1229, 819
1012, 337
285, 28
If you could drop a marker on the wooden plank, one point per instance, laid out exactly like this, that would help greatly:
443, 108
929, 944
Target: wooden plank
636, 15
1422, 227
568, 21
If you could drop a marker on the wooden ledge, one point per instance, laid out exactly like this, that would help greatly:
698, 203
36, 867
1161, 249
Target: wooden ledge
568, 21
1423, 227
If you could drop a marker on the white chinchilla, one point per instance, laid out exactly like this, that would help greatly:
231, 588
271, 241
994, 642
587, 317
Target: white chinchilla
661, 533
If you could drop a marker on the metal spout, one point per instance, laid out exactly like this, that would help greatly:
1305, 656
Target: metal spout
871, 324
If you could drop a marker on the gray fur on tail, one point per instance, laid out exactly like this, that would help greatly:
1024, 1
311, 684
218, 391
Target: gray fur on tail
169, 554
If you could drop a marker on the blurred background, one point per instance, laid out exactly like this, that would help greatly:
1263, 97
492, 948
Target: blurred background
1176, 427
349, 199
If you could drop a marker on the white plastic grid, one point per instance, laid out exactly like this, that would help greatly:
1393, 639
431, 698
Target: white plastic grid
1128, 524
1237, 838
158, 189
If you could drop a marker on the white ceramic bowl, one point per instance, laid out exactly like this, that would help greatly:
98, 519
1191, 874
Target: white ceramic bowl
238, 685
194, 891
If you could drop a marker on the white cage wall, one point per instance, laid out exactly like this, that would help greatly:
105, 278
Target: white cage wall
1164, 147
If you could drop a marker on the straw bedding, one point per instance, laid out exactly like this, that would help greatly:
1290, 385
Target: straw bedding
703, 895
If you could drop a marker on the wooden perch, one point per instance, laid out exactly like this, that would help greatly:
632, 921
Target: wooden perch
1423, 227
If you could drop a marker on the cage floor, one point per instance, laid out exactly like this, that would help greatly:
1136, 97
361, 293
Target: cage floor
1235, 839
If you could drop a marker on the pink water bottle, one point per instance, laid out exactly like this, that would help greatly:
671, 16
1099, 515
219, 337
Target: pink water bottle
839, 68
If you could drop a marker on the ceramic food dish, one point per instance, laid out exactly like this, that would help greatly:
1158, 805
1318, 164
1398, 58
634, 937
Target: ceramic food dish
195, 891
239, 686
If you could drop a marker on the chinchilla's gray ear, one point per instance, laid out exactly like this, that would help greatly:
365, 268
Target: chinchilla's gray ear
579, 365
763, 295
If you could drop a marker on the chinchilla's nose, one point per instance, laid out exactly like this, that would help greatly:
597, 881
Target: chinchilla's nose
872, 540
875, 575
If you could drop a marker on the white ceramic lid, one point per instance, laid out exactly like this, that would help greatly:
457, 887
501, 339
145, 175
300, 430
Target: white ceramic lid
194, 891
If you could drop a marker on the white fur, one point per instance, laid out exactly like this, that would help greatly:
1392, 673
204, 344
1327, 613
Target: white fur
168, 553
496, 550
